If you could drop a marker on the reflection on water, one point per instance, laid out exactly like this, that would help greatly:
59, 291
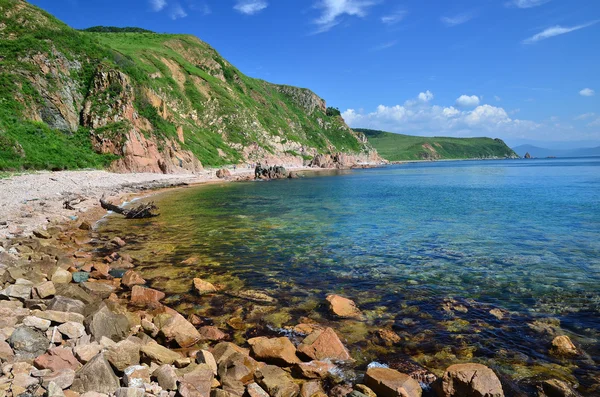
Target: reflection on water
427, 250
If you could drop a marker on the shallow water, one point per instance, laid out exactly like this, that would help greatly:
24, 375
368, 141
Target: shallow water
425, 249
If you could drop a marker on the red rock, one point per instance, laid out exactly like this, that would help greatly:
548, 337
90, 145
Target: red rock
470, 380
324, 344
56, 359
203, 287
388, 382
212, 333
173, 326
343, 307
146, 296
197, 383
131, 278
277, 351
313, 369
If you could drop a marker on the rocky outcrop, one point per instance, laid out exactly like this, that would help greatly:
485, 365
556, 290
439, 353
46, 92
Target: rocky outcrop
305, 98
344, 161
273, 172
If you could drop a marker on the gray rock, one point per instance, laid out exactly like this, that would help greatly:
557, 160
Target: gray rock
54, 390
97, 375
125, 353
72, 330
166, 377
108, 324
36, 322
63, 378
64, 304
17, 291
28, 341
130, 392
197, 383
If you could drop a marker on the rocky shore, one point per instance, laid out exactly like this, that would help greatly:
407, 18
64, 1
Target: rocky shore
74, 322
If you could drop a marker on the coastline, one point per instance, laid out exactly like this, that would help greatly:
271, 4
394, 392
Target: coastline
73, 237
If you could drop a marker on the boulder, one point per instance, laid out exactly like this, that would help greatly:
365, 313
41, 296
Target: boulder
203, 287
343, 307
313, 369
223, 173
97, 375
131, 278
312, 389
153, 352
28, 341
80, 277
324, 344
63, 378
125, 353
23, 383
563, 346
17, 291
57, 316
36, 322
386, 382
211, 333
57, 359
254, 390
130, 392
136, 376
174, 327
224, 350
72, 330
45, 290
64, 304
142, 296
6, 352
85, 353
61, 276
206, 357
277, 351
197, 383
238, 367
166, 377
470, 380
101, 290
557, 388
277, 382
108, 324
54, 390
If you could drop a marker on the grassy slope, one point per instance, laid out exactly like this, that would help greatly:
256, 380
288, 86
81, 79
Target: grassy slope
397, 147
240, 103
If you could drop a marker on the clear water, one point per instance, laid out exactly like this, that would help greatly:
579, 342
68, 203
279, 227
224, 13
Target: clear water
425, 249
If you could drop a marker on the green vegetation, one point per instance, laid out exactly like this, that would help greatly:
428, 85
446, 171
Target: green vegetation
397, 147
178, 83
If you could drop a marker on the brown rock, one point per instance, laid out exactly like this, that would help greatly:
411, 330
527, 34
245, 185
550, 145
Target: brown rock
343, 307
203, 287
58, 317
238, 367
125, 353
156, 353
364, 389
119, 242
146, 296
388, 382
470, 380
97, 375
85, 353
72, 330
562, 346
557, 388
313, 388
206, 357
224, 350
136, 376
106, 323
277, 351
6, 352
45, 289
173, 326
324, 344
166, 377
63, 378
56, 359
254, 390
211, 333
61, 276
313, 369
197, 383
101, 290
22, 382
131, 278
223, 173
387, 337
277, 382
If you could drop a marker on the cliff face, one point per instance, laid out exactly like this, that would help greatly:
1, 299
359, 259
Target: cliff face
147, 102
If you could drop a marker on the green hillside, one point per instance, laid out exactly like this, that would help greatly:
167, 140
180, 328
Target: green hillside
397, 147
141, 101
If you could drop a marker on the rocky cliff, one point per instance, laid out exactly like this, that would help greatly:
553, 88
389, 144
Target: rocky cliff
146, 102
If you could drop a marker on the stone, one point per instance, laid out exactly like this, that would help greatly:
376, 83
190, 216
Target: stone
58, 317
18, 291
224, 350
36, 322
93, 394
136, 376
277, 382
149, 327
72, 330
469, 380
80, 277
314, 369
197, 383
174, 327
356, 393
56, 359
6, 352
558, 388
342, 390
74, 291
85, 353
105, 323
159, 354
45, 290
125, 353
22, 383
206, 357
223, 173
146, 296
563, 346
63, 378
203, 287
238, 367
97, 375
313, 388
166, 377
61, 276
324, 344
276, 351
386, 382
131, 278
366, 390
25, 340
71, 393
211, 333
343, 307
183, 362
130, 392
53, 390
254, 390
119, 242
101, 290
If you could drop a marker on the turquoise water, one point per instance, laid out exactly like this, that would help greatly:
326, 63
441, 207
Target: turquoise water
425, 249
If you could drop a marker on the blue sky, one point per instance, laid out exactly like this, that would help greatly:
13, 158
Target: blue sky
521, 70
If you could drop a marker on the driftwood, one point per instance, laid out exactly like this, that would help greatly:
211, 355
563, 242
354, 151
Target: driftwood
140, 212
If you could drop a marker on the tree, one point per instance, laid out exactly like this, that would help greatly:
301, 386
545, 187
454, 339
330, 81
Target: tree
331, 112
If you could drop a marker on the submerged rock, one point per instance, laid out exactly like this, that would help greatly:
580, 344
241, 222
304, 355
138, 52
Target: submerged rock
343, 307
174, 327
563, 346
203, 287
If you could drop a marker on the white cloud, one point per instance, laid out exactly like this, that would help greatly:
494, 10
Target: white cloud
250, 7
456, 20
177, 12
394, 18
595, 123
556, 31
587, 92
585, 116
385, 46
425, 96
333, 10
158, 5
526, 3
497, 98
466, 101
